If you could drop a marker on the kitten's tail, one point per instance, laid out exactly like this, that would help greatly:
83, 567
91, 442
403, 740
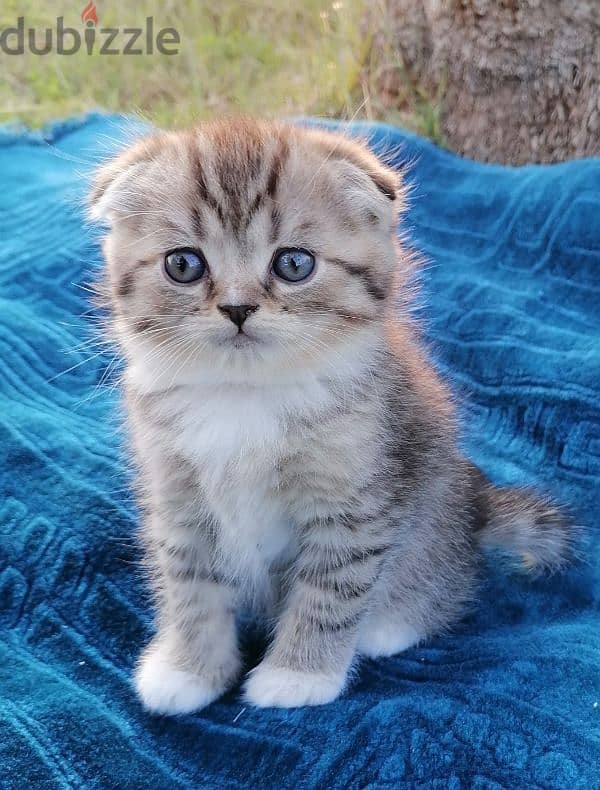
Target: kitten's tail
523, 525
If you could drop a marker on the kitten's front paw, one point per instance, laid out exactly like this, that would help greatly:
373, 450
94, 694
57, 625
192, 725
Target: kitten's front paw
163, 688
275, 687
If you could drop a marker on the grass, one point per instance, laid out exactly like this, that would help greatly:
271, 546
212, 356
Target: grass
270, 58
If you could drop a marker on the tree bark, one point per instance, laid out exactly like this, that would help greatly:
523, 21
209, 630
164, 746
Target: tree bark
519, 80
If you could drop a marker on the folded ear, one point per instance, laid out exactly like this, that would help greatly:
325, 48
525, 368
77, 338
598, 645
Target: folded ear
112, 193
358, 154
385, 179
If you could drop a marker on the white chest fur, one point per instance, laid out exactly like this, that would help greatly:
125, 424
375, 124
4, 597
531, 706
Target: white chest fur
237, 438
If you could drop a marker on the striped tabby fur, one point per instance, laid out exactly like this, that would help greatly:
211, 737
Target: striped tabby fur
310, 469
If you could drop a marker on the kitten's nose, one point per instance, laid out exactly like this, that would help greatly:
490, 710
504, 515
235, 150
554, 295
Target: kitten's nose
238, 312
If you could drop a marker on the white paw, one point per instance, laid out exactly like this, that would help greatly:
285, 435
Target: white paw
381, 637
275, 687
163, 688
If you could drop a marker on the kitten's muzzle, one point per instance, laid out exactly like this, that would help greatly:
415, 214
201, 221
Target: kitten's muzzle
237, 312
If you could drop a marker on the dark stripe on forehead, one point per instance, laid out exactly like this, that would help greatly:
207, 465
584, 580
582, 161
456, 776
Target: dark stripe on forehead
366, 276
254, 208
231, 177
235, 210
275, 225
238, 163
198, 222
277, 164
204, 193
279, 159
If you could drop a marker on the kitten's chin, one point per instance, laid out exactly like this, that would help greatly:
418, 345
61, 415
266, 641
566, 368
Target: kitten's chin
244, 341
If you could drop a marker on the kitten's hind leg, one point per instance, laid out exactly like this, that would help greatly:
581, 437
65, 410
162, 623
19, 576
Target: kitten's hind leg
386, 632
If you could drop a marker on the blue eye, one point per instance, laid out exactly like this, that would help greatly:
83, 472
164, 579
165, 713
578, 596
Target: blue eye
184, 266
293, 265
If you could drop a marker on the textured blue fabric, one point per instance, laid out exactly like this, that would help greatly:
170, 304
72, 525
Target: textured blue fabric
511, 304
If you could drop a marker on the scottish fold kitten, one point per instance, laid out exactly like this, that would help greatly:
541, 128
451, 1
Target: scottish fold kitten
297, 452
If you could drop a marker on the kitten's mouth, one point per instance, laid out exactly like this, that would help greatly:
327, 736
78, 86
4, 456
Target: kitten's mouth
242, 340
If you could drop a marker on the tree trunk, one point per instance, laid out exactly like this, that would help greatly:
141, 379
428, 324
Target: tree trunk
519, 79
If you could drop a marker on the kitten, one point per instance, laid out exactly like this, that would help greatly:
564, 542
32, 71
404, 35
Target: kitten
297, 452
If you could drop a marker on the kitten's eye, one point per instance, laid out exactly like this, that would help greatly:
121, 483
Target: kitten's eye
293, 265
185, 266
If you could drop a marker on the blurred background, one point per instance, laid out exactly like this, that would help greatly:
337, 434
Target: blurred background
499, 80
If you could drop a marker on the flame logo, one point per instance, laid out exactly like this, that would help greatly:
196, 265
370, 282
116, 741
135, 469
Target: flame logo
89, 14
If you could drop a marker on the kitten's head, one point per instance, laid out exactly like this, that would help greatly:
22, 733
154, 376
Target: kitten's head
242, 247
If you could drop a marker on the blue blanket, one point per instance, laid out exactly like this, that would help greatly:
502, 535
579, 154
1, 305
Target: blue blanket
511, 305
